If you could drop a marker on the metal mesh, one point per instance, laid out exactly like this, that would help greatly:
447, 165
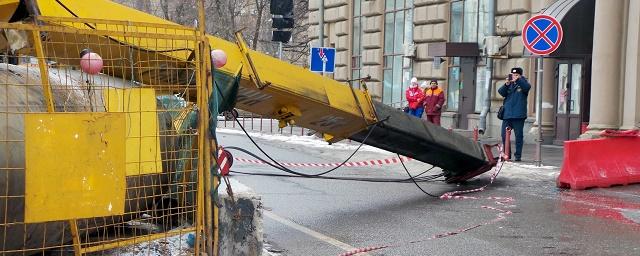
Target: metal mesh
149, 70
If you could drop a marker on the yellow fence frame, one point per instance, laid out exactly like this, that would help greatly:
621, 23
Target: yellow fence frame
206, 221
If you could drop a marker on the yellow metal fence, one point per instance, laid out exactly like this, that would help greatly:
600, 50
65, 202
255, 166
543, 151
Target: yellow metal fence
92, 163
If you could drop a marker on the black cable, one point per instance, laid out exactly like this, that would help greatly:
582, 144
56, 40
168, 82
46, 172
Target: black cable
413, 179
422, 173
283, 168
417, 177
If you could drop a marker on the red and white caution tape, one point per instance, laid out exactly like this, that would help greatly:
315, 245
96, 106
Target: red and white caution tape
387, 161
502, 213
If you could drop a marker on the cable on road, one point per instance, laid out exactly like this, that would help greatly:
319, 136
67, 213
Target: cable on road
413, 178
283, 168
502, 213
418, 177
277, 165
432, 178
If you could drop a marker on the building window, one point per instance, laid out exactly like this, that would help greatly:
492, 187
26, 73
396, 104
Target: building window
481, 85
356, 52
453, 85
398, 32
468, 19
456, 21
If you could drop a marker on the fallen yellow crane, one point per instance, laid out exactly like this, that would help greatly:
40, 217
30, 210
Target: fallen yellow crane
149, 52
269, 87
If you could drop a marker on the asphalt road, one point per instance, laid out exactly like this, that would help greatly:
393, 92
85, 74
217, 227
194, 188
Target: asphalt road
327, 217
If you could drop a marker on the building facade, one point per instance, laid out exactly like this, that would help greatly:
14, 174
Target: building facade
452, 41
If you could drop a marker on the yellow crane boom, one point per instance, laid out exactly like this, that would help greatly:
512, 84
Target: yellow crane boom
269, 87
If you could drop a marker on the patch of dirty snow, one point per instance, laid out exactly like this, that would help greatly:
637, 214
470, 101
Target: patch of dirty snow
169, 246
526, 171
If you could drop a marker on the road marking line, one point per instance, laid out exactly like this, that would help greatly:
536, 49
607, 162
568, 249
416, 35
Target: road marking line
310, 232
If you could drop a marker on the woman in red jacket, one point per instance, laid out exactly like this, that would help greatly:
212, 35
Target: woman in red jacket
415, 96
433, 102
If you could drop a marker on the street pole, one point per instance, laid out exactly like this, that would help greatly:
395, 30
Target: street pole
539, 64
486, 109
280, 50
321, 24
321, 28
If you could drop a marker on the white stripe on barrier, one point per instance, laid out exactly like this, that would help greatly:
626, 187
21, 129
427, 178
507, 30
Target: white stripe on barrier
378, 162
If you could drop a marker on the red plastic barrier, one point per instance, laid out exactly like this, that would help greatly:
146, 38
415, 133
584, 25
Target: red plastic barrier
600, 163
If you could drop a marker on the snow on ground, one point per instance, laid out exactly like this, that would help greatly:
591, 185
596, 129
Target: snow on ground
236, 186
528, 171
308, 141
170, 246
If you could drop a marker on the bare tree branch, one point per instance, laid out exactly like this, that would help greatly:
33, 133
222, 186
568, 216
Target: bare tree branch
225, 17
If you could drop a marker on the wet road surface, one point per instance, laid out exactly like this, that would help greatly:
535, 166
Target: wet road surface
328, 217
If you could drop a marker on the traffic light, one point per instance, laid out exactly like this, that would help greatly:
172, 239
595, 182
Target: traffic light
282, 20
281, 23
282, 7
281, 36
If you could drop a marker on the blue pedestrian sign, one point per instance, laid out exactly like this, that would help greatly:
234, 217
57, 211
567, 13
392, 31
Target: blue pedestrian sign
542, 34
323, 59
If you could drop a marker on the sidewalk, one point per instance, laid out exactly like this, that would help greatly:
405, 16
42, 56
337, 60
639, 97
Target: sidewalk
552, 155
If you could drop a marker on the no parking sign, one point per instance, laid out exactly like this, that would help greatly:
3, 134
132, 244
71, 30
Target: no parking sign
542, 34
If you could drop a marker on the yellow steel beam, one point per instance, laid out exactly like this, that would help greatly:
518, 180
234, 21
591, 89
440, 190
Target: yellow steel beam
111, 31
247, 61
42, 64
209, 143
201, 153
75, 235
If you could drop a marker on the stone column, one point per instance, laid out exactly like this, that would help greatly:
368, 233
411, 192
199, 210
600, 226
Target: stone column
606, 80
631, 107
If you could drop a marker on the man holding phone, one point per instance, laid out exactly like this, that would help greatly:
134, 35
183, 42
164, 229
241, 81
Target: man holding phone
515, 92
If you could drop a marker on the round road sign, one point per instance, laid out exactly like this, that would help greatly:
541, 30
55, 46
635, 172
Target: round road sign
542, 34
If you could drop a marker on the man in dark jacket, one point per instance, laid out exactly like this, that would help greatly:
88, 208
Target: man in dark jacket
515, 93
